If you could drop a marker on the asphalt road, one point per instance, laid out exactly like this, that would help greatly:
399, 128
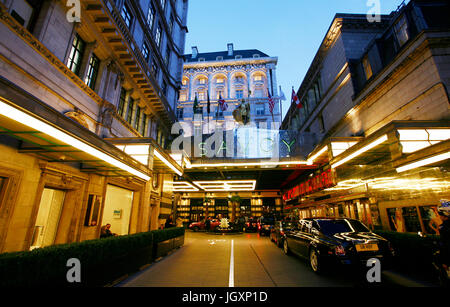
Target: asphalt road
242, 260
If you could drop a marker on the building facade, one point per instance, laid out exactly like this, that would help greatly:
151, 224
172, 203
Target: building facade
87, 102
376, 101
234, 76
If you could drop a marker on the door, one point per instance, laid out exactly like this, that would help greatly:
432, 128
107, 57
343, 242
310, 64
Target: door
117, 211
47, 220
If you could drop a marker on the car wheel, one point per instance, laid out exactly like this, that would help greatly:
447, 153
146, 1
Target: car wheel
314, 261
286, 248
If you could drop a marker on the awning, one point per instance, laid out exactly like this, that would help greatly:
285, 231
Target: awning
51, 136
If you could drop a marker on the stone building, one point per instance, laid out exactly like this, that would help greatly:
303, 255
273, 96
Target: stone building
233, 75
87, 100
376, 101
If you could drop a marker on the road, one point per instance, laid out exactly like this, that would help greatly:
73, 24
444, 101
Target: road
242, 260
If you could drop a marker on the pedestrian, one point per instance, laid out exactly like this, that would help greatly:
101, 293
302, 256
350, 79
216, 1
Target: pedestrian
444, 231
169, 222
179, 222
208, 224
105, 232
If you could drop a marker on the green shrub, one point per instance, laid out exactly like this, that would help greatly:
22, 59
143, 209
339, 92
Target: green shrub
102, 260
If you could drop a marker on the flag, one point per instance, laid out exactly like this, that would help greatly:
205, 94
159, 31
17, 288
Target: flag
295, 99
271, 103
223, 104
282, 96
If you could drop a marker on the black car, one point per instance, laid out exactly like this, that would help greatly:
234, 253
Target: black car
265, 224
251, 225
330, 241
278, 232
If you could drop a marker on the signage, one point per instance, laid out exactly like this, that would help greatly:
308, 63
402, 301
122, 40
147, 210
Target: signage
319, 182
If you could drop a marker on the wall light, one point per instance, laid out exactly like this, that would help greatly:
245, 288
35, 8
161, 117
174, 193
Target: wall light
166, 162
424, 162
375, 143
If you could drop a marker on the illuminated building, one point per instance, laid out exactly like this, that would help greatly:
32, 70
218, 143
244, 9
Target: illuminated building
87, 100
376, 101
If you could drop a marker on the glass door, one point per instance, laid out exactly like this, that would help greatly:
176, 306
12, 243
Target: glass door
48, 217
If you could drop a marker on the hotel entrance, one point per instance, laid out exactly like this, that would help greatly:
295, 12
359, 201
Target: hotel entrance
48, 217
117, 211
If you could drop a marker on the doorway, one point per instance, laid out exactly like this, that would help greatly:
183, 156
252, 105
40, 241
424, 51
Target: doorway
117, 211
47, 220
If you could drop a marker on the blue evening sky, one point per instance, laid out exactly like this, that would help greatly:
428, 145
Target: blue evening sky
291, 30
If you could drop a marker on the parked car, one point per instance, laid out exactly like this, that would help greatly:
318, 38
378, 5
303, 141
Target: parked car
251, 225
265, 224
335, 241
278, 232
197, 226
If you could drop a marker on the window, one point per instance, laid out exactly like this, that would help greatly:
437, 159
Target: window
130, 110
220, 81
91, 76
24, 12
92, 210
137, 121
167, 57
145, 125
183, 97
145, 51
260, 110
171, 24
76, 54
367, 67
219, 94
202, 81
404, 219
180, 113
184, 82
126, 15
401, 31
238, 57
239, 94
201, 96
158, 36
151, 15
154, 69
163, 4
256, 56
258, 78
219, 58
321, 124
164, 88
120, 108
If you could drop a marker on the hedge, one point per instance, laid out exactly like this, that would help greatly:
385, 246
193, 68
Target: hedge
102, 261
413, 254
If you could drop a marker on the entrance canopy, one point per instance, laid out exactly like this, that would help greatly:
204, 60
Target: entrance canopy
51, 136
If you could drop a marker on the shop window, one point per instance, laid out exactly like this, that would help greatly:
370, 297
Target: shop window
404, 219
92, 210
431, 219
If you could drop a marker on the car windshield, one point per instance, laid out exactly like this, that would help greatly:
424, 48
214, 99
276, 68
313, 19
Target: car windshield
331, 227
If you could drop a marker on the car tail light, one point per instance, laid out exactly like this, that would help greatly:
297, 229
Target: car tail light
248, 224
339, 250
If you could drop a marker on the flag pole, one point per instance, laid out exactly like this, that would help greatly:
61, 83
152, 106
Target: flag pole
281, 110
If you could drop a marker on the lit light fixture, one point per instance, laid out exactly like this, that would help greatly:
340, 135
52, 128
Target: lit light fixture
244, 164
37, 124
424, 162
227, 185
375, 143
413, 140
313, 158
184, 186
164, 160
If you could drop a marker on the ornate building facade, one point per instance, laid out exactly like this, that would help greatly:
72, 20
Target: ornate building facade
234, 76
87, 99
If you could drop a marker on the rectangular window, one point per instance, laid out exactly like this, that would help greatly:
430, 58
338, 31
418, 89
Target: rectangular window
219, 95
401, 31
239, 94
76, 54
91, 76
164, 88
126, 15
24, 12
220, 81
201, 96
163, 4
130, 110
367, 67
145, 51
171, 24
155, 69
158, 35
92, 210
123, 95
260, 110
167, 57
180, 113
321, 124
151, 16
137, 121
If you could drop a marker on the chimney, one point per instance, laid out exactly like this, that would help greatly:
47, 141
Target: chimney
194, 52
230, 49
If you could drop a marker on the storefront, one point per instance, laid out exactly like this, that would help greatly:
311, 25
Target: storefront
392, 180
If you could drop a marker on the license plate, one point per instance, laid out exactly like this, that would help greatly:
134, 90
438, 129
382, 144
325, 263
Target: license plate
367, 247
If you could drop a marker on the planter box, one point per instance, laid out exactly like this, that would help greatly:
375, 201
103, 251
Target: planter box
163, 248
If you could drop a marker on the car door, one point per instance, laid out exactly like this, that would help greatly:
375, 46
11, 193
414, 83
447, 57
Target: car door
304, 238
294, 238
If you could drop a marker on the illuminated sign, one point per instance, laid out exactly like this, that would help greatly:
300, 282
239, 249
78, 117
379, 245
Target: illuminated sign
319, 182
